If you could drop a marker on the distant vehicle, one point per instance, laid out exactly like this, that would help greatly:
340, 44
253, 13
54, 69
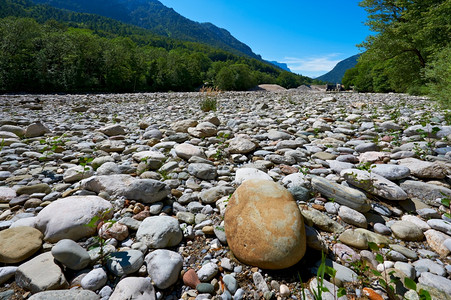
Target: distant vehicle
334, 87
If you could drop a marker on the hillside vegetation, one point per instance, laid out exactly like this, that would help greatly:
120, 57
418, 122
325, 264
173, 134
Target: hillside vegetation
45, 49
410, 51
159, 19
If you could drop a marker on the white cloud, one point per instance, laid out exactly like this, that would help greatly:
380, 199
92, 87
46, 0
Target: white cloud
312, 66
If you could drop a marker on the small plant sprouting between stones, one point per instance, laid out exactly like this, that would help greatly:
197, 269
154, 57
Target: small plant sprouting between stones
164, 174
428, 137
84, 161
97, 223
304, 170
209, 101
219, 155
2, 144
51, 146
388, 281
322, 270
446, 203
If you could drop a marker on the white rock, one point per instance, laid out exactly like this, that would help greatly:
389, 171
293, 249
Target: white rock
71, 254
77, 173
186, 151
159, 232
77, 294
144, 190
295, 179
417, 221
40, 274
164, 267
352, 216
207, 272
66, 218
136, 288
250, 173
125, 262
94, 280
440, 225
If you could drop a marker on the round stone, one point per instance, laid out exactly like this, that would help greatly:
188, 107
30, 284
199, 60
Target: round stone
381, 229
264, 226
164, 267
407, 231
94, 280
117, 231
205, 288
354, 239
134, 288
71, 254
352, 216
19, 243
159, 232
191, 279
241, 145
186, 151
207, 272
125, 262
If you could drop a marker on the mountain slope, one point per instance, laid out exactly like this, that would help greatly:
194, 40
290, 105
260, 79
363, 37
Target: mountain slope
47, 49
153, 15
283, 66
337, 73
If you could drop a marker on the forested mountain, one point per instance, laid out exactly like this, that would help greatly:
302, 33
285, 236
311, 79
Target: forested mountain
336, 74
153, 15
46, 49
410, 50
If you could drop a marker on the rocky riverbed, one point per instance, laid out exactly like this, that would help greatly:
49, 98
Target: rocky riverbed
359, 177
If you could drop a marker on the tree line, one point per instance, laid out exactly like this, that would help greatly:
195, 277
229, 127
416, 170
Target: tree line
410, 51
69, 57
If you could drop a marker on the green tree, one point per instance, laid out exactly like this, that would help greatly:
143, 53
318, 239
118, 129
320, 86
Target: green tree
408, 33
439, 75
17, 48
288, 80
122, 66
225, 79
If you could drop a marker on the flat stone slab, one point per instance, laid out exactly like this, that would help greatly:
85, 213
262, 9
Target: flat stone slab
425, 192
18, 244
341, 194
374, 184
425, 169
40, 274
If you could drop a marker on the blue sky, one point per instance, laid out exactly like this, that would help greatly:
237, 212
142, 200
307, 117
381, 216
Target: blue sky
310, 36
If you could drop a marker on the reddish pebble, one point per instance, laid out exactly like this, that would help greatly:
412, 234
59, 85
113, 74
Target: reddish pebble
117, 231
288, 169
387, 138
371, 294
191, 279
318, 207
142, 215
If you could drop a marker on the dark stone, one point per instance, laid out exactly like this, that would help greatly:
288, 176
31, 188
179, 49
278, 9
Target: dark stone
205, 288
300, 193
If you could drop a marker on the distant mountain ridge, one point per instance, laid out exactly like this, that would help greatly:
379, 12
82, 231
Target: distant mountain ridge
283, 66
337, 73
153, 15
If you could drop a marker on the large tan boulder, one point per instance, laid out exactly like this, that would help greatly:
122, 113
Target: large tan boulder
264, 226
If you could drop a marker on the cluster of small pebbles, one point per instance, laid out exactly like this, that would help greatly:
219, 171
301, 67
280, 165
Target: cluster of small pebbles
146, 196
